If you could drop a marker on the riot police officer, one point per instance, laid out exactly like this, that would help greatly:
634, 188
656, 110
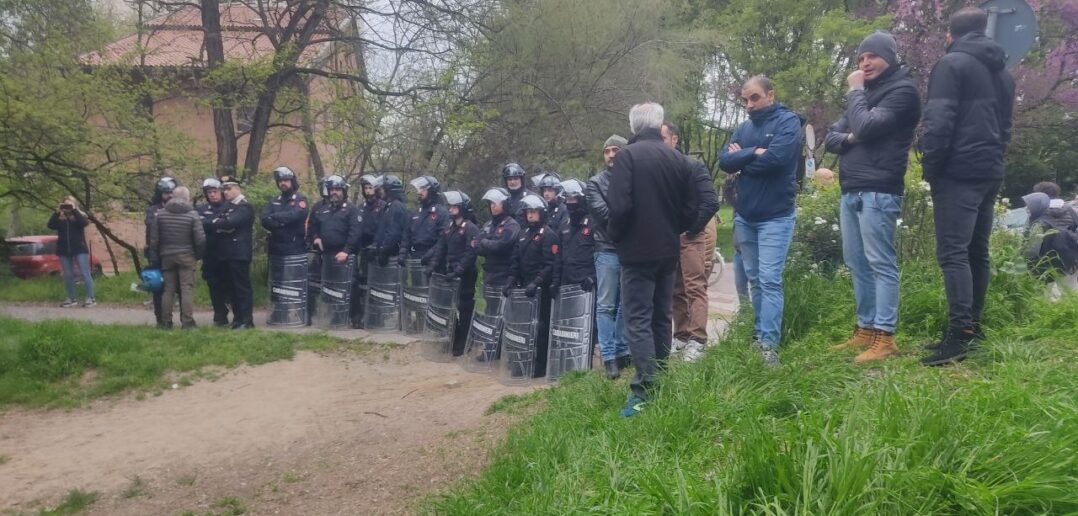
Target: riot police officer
214, 268
162, 192
394, 221
513, 181
534, 257
453, 256
233, 226
314, 256
495, 243
285, 216
551, 190
576, 262
335, 225
370, 215
428, 221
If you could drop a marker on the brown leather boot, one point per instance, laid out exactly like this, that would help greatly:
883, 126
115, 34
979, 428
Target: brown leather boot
862, 338
883, 346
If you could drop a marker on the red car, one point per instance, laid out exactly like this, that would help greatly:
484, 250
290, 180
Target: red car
32, 256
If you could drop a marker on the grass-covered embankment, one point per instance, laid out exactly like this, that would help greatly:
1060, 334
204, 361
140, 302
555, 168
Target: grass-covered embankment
997, 434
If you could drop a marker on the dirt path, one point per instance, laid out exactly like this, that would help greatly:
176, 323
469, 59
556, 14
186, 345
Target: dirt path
336, 433
320, 434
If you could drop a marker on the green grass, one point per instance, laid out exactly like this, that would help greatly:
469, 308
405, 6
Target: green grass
75, 501
997, 434
64, 363
112, 289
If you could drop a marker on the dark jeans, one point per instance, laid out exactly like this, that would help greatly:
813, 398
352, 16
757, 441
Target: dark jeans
465, 309
963, 214
647, 295
215, 273
239, 280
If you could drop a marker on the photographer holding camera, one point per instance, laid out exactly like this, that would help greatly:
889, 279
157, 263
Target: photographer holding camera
70, 225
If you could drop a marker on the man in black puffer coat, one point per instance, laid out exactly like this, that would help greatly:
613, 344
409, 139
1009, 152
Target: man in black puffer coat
873, 138
967, 128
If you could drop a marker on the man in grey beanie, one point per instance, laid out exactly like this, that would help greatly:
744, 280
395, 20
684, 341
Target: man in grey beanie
608, 320
873, 140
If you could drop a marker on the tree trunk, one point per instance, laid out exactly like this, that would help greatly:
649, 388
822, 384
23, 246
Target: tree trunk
307, 126
223, 127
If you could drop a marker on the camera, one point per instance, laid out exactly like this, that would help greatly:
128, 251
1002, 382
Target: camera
67, 206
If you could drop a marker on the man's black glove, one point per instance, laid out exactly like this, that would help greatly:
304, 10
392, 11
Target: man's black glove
425, 259
530, 290
588, 284
508, 289
400, 259
452, 275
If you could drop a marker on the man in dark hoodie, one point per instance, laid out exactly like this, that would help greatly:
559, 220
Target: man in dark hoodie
967, 127
609, 321
177, 241
1059, 214
652, 201
764, 152
873, 140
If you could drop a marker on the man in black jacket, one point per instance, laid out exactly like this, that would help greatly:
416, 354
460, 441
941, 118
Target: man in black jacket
609, 323
162, 192
696, 259
652, 201
873, 140
177, 241
454, 256
967, 127
233, 227
214, 267
394, 221
427, 222
285, 216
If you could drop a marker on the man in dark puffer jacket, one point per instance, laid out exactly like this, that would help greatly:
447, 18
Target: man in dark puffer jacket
177, 240
873, 138
967, 127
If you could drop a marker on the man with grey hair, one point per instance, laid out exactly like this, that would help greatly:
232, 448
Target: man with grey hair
652, 201
177, 240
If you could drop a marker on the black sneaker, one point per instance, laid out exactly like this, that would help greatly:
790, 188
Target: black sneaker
612, 369
955, 348
624, 361
978, 336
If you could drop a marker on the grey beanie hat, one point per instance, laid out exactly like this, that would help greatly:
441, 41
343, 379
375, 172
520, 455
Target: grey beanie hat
615, 141
882, 44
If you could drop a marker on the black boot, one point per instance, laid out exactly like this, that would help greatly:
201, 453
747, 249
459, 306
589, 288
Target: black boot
978, 337
612, 370
625, 361
954, 348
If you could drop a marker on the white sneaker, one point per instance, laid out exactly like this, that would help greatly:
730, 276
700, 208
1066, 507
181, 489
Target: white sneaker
693, 351
771, 359
89, 302
68, 303
676, 345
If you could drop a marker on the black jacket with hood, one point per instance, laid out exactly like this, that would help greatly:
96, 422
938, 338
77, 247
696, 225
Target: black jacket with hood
967, 123
882, 119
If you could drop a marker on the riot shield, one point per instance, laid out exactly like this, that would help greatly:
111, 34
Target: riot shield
288, 291
359, 290
572, 319
520, 329
314, 284
336, 300
414, 296
382, 312
441, 318
481, 350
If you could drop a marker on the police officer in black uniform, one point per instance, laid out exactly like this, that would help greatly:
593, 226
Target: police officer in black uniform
496, 241
551, 190
162, 192
513, 181
428, 221
214, 268
534, 256
370, 215
285, 216
391, 228
454, 256
335, 225
233, 227
576, 255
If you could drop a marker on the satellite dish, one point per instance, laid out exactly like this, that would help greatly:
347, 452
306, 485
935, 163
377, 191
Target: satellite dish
1011, 23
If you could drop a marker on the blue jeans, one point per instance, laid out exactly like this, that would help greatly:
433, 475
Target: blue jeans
764, 245
741, 280
67, 263
868, 221
608, 321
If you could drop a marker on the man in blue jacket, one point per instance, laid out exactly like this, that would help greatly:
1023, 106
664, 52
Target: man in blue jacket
873, 140
764, 152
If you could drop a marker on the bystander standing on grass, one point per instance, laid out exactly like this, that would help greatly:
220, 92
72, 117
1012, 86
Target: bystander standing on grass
70, 224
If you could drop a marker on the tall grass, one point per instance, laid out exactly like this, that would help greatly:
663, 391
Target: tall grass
63, 363
997, 434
